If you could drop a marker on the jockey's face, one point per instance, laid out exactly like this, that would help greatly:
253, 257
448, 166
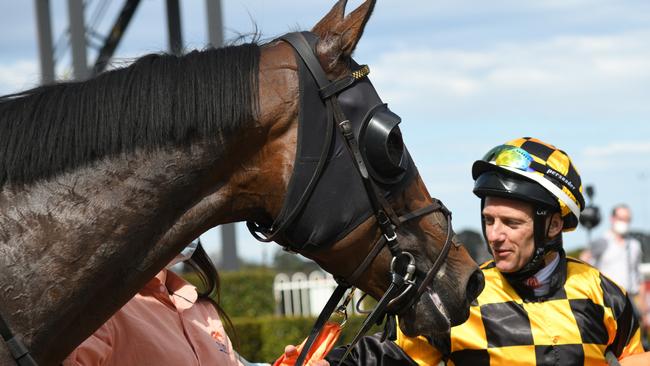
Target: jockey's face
509, 231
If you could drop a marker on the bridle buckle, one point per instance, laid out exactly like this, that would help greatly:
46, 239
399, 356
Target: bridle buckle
392, 237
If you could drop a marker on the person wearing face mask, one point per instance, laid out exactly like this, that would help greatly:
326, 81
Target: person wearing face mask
618, 256
168, 322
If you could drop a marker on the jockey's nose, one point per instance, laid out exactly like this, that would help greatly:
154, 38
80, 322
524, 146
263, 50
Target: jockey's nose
495, 232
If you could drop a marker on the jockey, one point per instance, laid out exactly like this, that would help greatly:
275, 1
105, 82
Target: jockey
539, 307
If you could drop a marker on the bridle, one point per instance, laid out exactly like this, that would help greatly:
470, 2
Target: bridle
403, 290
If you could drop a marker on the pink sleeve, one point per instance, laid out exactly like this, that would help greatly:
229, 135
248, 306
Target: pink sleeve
95, 350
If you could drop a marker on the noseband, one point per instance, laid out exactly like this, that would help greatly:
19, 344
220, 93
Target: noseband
403, 290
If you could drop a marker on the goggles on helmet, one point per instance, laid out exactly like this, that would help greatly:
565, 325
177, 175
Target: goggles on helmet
513, 157
520, 161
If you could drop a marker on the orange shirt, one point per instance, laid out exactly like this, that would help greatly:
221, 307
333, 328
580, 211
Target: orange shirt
162, 325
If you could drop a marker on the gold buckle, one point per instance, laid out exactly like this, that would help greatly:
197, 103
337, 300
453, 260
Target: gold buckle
361, 72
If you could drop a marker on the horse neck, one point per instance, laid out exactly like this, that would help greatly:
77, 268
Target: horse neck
69, 244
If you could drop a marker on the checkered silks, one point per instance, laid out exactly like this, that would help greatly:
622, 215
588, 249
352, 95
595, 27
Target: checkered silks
573, 326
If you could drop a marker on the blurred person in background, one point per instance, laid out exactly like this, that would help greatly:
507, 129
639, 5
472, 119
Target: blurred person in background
618, 256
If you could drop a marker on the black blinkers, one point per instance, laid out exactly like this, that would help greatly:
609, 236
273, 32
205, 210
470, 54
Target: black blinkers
382, 145
326, 197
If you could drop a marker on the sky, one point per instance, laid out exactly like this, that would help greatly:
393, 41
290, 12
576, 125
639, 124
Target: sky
464, 76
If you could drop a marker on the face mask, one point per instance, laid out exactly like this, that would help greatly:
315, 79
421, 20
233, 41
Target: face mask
185, 254
620, 227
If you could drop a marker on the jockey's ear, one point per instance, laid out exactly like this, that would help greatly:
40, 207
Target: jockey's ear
339, 35
556, 225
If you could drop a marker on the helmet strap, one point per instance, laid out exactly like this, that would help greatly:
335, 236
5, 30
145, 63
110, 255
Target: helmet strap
487, 243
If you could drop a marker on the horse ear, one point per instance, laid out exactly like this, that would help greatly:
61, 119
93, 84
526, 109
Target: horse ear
329, 21
340, 34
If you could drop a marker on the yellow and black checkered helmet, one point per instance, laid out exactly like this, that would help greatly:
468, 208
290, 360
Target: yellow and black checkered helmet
539, 162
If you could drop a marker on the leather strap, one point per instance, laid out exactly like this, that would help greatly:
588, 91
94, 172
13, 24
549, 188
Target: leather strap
336, 87
16, 347
282, 221
394, 292
379, 244
394, 289
435, 206
396, 283
441, 258
379, 209
325, 314
298, 42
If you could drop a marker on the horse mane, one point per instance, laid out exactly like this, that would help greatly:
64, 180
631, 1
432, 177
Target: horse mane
159, 100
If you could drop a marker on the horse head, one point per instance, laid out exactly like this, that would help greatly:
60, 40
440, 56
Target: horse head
308, 188
369, 194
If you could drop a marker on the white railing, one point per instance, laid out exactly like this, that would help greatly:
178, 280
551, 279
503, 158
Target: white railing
645, 271
305, 295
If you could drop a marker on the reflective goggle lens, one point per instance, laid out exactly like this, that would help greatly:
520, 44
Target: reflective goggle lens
510, 156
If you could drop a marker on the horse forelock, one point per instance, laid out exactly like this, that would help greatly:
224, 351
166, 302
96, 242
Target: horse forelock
159, 100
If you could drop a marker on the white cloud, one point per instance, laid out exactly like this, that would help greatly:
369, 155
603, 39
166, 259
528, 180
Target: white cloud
579, 73
615, 158
617, 148
19, 75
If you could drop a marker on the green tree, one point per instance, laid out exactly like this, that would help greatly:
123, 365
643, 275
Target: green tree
288, 262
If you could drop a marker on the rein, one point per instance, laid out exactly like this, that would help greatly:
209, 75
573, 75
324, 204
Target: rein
401, 285
16, 347
403, 279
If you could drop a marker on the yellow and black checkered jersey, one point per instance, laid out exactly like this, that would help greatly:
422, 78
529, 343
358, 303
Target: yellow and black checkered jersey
584, 315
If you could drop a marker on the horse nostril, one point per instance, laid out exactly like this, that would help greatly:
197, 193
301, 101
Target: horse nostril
475, 285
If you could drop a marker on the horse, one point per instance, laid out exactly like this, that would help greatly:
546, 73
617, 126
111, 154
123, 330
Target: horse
104, 181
